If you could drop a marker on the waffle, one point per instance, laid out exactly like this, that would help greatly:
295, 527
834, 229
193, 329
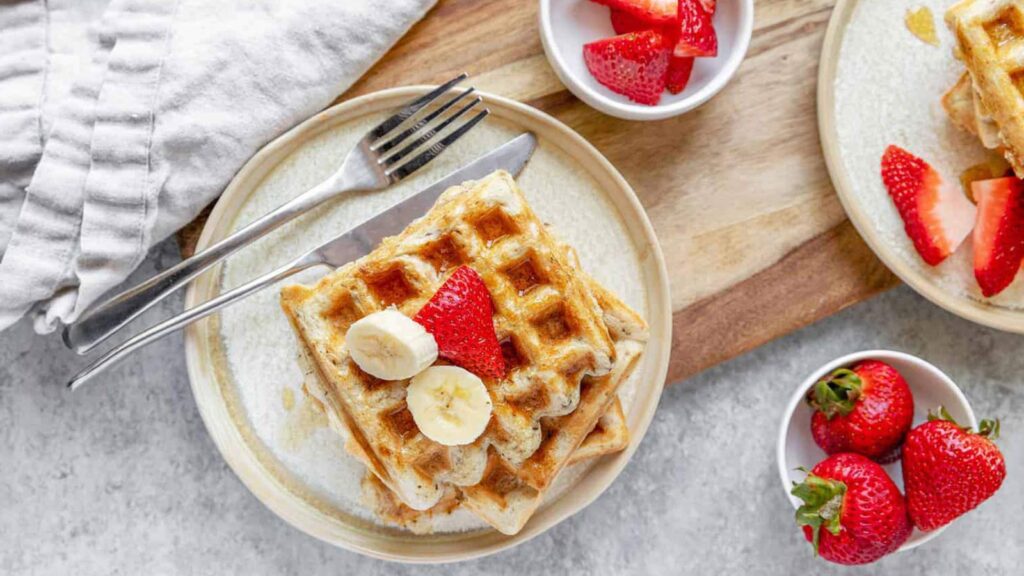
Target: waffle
990, 41
504, 500
609, 436
547, 319
964, 107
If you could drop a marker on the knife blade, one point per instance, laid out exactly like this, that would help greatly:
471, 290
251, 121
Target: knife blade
360, 240
357, 242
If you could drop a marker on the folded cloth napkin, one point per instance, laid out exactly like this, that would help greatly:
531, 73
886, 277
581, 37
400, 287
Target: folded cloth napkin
172, 98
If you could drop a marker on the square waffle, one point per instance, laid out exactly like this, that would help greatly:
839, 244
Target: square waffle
505, 501
990, 41
506, 498
609, 436
546, 317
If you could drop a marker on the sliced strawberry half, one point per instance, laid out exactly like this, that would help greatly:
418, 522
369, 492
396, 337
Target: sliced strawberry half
696, 32
937, 217
634, 65
459, 317
625, 22
679, 70
998, 233
654, 12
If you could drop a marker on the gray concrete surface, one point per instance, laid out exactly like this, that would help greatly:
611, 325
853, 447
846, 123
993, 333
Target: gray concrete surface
122, 478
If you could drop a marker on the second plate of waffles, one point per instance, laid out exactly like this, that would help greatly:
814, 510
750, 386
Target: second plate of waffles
581, 315
919, 113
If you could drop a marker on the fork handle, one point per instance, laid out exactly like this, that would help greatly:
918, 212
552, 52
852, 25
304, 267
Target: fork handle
103, 320
189, 316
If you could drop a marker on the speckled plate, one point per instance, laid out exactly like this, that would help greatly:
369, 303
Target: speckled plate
879, 85
224, 350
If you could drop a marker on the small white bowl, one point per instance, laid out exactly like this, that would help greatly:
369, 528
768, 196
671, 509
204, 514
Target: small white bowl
566, 25
930, 387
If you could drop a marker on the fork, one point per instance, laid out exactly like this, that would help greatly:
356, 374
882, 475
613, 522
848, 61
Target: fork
380, 159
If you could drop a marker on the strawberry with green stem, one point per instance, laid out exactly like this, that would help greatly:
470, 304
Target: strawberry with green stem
852, 512
866, 409
949, 470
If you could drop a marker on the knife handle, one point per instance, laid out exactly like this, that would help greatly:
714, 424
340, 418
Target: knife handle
102, 321
189, 316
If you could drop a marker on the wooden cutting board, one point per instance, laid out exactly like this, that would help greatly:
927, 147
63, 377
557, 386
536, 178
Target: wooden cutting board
756, 241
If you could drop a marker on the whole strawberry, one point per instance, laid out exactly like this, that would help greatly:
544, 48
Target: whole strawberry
459, 317
948, 470
867, 410
860, 508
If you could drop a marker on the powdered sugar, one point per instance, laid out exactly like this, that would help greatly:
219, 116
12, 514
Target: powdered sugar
261, 348
887, 91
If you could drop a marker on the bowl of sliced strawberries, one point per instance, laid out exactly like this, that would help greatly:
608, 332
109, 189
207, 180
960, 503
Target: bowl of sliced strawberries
879, 451
645, 59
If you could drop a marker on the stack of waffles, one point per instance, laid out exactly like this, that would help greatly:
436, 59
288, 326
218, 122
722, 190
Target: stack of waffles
568, 345
988, 99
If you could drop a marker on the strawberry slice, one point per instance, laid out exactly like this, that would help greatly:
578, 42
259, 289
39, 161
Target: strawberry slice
624, 22
458, 316
634, 65
998, 233
654, 12
937, 217
696, 32
679, 70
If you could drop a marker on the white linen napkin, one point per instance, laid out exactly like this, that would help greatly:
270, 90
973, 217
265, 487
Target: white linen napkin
175, 96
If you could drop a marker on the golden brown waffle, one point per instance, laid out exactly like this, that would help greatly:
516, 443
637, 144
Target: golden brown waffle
503, 499
990, 41
391, 510
509, 504
958, 102
964, 107
609, 436
506, 498
546, 317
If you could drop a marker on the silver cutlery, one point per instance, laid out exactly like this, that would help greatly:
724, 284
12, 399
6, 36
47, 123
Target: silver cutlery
381, 158
358, 241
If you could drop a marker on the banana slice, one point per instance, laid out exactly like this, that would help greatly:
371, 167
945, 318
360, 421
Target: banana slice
391, 346
450, 405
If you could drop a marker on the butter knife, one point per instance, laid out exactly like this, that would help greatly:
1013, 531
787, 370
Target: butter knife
359, 241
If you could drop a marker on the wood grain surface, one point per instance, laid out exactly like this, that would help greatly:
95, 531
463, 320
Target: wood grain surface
756, 242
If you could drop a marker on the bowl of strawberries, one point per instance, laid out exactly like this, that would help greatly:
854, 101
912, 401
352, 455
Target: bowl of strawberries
879, 451
645, 59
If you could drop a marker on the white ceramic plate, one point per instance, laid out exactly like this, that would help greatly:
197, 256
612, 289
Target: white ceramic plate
566, 25
880, 85
929, 385
249, 345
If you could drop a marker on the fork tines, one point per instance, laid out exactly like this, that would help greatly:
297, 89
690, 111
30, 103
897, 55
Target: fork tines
426, 128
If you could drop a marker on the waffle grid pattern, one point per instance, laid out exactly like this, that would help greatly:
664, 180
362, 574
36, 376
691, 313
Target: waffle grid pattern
547, 319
